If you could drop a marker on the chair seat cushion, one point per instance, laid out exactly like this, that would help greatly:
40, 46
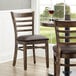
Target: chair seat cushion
66, 49
31, 38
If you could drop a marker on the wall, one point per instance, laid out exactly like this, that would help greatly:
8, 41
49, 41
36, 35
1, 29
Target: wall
14, 4
7, 33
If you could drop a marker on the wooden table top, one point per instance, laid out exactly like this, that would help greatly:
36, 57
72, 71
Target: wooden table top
47, 23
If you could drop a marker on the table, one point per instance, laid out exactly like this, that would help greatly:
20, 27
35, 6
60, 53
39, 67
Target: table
67, 61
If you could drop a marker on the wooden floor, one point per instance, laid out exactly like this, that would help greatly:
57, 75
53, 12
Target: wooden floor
39, 69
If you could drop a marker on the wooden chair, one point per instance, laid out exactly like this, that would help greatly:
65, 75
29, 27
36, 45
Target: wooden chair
66, 44
24, 24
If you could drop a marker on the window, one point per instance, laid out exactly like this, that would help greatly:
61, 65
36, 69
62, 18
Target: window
62, 9
35, 7
72, 6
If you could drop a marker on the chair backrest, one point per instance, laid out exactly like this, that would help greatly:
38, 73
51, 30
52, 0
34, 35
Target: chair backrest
65, 36
23, 23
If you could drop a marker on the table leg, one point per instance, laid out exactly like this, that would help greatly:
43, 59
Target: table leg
67, 61
51, 37
67, 69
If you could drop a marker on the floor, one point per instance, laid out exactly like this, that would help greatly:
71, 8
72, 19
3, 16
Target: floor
39, 69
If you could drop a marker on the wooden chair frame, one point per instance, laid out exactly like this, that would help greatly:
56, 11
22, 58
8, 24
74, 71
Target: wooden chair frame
26, 40
64, 49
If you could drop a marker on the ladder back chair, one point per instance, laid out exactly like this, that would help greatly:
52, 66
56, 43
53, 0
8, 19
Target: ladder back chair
64, 49
25, 38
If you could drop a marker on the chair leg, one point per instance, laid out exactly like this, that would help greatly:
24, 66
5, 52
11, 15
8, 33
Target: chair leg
25, 56
34, 58
54, 66
47, 54
57, 67
15, 54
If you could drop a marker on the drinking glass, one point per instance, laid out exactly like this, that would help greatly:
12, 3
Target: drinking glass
51, 11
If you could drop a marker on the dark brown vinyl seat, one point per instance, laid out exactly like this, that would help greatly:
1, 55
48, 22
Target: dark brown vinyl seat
66, 49
24, 35
31, 38
65, 43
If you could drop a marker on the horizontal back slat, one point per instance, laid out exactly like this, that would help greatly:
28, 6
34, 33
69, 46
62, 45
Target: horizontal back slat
24, 30
26, 14
24, 25
61, 37
23, 20
67, 43
67, 23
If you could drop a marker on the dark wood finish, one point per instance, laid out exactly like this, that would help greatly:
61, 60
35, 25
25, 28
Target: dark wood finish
47, 24
22, 22
64, 49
